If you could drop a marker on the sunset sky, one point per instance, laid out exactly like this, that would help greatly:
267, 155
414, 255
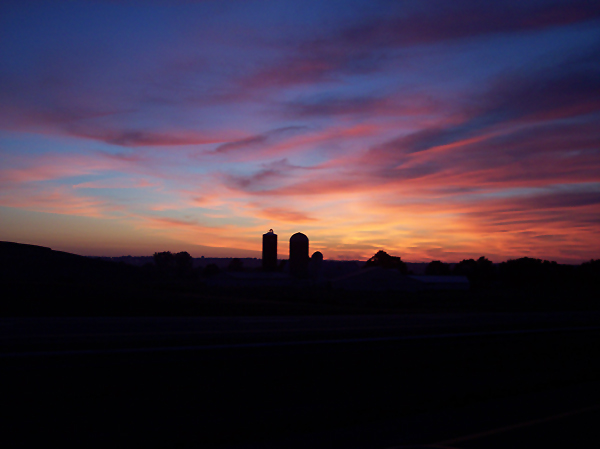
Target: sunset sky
430, 129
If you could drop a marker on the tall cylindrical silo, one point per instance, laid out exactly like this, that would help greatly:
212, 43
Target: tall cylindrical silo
316, 264
299, 255
269, 251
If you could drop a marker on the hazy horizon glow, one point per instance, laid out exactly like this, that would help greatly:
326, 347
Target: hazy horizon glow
433, 130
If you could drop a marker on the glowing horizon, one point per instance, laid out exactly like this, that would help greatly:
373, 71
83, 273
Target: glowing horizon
430, 130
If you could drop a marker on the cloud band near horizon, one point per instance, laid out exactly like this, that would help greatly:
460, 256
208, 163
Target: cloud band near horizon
433, 130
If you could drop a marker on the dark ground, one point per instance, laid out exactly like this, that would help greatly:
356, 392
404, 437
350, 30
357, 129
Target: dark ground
97, 354
339, 381
37, 281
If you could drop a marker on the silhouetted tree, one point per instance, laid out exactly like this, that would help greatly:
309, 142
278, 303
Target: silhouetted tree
480, 272
466, 267
184, 263
529, 271
235, 265
164, 261
486, 271
437, 268
588, 276
524, 270
384, 260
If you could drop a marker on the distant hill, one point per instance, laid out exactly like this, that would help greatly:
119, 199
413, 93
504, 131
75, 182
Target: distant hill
331, 268
221, 262
27, 262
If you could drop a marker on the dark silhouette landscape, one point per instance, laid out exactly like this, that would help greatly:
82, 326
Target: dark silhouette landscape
242, 224
185, 352
38, 281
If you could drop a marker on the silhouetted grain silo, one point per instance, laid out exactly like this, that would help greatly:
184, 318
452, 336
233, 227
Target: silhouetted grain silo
316, 264
269, 252
299, 255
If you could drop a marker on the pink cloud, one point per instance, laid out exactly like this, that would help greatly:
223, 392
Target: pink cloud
286, 215
117, 184
57, 201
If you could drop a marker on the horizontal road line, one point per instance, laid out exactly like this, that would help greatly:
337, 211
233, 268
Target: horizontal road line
75, 352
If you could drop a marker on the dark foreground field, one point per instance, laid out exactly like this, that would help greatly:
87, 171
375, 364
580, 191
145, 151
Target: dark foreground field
373, 381
98, 354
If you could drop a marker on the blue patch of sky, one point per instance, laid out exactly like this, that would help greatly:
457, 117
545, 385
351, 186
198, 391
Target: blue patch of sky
133, 198
573, 188
453, 65
30, 143
206, 217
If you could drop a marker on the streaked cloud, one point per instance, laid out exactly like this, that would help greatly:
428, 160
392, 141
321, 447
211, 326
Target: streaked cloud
260, 140
434, 130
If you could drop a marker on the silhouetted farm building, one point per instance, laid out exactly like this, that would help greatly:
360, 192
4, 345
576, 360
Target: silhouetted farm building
443, 282
316, 264
250, 279
383, 279
299, 255
269, 251
388, 274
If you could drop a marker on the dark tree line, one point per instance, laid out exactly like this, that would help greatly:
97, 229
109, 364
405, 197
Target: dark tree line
180, 265
522, 272
480, 272
384, 260
529, 271
437, 268
519, 273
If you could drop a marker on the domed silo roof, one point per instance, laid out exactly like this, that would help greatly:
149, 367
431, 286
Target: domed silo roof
298, 237
317, 255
